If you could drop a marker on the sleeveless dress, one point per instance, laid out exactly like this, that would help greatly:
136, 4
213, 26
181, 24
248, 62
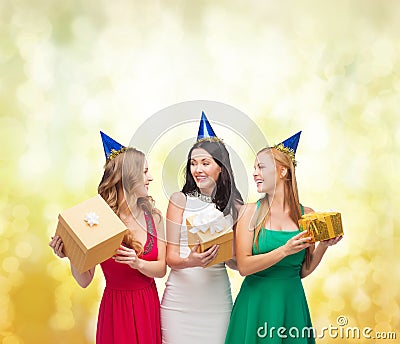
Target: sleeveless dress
197, 301
130, 308
272, 298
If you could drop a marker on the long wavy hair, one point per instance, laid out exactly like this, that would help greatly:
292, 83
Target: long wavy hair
226, 193
291, 195
126, 171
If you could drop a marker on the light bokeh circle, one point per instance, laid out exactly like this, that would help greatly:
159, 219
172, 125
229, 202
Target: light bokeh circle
168, 135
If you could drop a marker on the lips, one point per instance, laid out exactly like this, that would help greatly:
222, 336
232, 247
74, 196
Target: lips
200, 179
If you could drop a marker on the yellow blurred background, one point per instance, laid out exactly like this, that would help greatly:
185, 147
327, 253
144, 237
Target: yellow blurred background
71, 68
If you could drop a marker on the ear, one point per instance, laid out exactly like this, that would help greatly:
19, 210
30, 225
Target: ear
282, 172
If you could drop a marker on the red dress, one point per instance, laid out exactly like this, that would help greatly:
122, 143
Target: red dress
130, 308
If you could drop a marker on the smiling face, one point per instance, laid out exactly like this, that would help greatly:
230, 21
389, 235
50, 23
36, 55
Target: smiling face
204, 169
135, 174
265, 173
142, 190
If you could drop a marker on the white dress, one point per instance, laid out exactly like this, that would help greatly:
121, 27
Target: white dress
197, 302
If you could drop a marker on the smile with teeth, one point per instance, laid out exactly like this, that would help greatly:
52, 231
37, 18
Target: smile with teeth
201, 178
258, 181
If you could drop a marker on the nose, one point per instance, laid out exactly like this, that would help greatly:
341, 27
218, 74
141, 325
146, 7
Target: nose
255, 173
149, 177
199, 168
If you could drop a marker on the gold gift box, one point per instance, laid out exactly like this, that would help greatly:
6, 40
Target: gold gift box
322, 225
224, 239
91, 232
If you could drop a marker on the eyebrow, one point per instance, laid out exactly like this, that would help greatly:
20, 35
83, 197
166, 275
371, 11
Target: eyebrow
206, 158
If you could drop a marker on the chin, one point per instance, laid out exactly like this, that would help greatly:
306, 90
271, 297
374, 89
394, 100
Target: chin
201, 184
145, 193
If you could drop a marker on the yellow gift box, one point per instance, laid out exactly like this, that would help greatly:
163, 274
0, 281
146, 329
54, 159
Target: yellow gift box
322, 225
91, 232
207, 239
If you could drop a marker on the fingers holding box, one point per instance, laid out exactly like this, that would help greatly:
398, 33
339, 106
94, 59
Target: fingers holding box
57, 245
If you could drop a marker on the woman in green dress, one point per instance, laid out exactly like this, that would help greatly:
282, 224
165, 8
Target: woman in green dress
274, 255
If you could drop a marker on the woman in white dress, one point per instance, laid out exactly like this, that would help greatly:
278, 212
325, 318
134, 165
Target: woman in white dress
197, 300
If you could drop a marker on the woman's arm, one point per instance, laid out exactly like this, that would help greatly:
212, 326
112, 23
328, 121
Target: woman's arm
83, 279
155, 268
249, 263
316, 256
175, 210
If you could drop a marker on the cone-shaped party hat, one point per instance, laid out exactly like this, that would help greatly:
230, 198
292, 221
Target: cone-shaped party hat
111, 147
289, 146
205, 129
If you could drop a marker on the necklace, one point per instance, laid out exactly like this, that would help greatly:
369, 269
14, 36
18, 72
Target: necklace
202, 197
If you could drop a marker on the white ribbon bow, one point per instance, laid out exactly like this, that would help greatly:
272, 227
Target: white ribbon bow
92, 218
211, 219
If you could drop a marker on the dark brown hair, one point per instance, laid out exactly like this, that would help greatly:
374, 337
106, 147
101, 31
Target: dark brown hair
226, 193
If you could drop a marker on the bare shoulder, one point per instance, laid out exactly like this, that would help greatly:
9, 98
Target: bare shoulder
247, 210
308, 210
237, 204
178, 199
248, 207
247, 218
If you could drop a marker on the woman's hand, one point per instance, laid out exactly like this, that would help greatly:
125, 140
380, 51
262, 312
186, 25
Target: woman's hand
297, 243
202, 259
126, 255
57, 245
330, 242
83, 278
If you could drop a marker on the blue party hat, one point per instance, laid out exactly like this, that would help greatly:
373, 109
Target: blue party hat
289, 146
205, 129
111, 147
292, 142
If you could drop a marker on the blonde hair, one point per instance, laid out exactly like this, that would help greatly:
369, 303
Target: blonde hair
291, 196
126, 171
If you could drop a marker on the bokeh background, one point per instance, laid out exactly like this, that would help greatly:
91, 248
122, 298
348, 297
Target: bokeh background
71, 68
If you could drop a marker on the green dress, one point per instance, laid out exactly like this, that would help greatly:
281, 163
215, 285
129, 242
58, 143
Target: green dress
271, 299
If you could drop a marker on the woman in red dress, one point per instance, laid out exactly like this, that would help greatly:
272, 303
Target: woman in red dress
130, 308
